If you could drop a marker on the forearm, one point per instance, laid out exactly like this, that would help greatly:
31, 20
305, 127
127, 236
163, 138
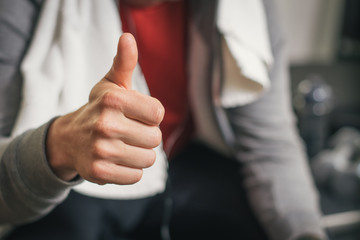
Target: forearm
276, 174
28, 187
281, 192
278, 182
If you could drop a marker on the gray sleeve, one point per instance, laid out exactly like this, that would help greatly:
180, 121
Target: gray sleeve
28, 187
277, 178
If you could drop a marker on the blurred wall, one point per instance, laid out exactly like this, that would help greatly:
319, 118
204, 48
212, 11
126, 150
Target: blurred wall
311, 28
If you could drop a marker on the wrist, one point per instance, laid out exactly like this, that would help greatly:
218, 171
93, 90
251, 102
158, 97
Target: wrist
56, 150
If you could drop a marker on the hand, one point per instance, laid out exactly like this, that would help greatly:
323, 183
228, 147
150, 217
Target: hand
111, 138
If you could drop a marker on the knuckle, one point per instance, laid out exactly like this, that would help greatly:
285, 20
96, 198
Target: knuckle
103, 126
114, 98
97, 172
122, 100
98, 150
99, 127
108, 99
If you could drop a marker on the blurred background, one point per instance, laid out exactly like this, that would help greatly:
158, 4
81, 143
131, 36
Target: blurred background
323, 41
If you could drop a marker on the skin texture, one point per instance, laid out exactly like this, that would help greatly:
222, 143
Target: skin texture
111, 138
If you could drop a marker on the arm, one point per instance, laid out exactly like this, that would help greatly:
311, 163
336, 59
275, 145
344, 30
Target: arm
108, 140
277, 177
21, 198
28, 187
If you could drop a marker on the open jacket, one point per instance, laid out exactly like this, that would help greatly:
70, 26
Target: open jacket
261, 134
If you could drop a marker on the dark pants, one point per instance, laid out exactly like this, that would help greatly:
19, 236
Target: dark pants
208, 202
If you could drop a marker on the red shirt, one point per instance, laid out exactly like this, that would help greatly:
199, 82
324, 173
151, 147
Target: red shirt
160, 34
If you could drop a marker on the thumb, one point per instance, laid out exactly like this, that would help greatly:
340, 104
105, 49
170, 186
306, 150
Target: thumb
124, 61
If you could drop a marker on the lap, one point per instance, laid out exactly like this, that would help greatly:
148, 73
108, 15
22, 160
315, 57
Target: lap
208, 202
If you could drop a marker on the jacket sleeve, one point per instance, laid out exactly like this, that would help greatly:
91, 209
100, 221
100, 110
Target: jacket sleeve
277, 178
28, 188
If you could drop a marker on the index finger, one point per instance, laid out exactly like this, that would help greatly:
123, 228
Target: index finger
140, 107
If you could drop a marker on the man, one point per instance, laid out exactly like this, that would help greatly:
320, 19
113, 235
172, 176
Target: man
250, 147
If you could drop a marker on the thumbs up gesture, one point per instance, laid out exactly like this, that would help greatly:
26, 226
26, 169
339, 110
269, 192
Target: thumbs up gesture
111, 138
